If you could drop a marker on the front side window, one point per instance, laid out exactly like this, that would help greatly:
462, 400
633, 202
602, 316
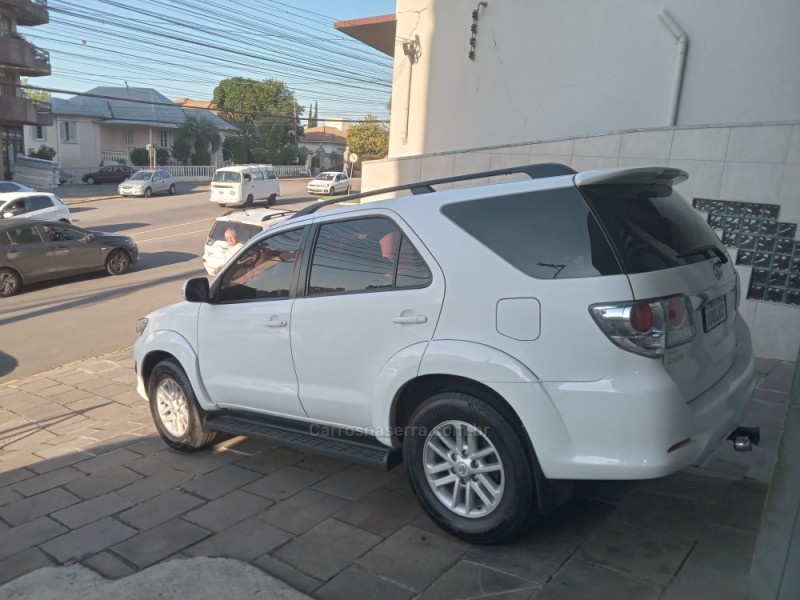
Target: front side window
262, 271
363, 255
62, 233
231, 176
39, 203
15, 208
141, 176
68, 131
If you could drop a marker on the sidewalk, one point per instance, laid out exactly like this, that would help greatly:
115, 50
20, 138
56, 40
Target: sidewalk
84, 480
79, 193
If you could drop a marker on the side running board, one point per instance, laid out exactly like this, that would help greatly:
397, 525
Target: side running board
358, 449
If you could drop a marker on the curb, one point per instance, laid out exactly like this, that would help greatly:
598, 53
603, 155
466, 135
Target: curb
69, 201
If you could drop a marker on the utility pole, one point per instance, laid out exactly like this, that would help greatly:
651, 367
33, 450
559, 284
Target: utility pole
294, 122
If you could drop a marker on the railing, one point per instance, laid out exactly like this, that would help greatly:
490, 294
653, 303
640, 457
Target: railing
122, 158
291, 171
178, 172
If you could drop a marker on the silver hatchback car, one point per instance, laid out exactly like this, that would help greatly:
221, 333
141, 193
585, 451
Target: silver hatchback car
147, 183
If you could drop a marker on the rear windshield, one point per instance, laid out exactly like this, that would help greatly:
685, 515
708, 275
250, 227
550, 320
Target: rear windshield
549, 234
228, 176
244, 231
652, 227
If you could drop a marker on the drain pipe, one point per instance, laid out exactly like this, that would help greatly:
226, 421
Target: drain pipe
411, 50
683, 43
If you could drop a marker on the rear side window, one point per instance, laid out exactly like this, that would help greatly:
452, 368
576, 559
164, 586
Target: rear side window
39, 202
652, 227
549, 234
22, 235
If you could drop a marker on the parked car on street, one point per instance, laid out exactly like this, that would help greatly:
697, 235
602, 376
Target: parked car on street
32, 251
329, 182
241, 185
108, 174
147, 183
245, 224
13, 186
34, 205
501, 340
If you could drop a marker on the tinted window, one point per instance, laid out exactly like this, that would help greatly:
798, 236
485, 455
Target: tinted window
548, 234
411, 268
7, 187
264, 270
26, 234
652, 227
39, 202
349, 256
62, 233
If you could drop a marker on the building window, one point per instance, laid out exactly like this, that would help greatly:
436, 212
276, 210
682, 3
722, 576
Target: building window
68, 131
164, 140
38, 133
128, 135
5, 26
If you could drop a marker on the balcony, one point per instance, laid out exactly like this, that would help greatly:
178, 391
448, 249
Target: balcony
44, 114
16, 110
16, 52
27, 12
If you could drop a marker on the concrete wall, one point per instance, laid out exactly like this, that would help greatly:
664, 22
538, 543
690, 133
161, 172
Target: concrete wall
574, 68
752, 164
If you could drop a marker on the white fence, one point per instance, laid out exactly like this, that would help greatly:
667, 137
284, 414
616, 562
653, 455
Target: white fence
184, 173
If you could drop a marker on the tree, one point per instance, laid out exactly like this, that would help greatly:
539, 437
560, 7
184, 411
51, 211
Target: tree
310, 116
35, 95
316, 114
369, 139
264, 111
203, 137
237, 147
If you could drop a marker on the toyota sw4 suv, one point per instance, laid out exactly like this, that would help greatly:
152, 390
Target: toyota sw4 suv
501, 340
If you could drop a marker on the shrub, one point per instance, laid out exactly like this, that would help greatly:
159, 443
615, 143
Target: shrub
237, 146
44, 152
140, 157
181, 149
162, 156
260, 155
201, 157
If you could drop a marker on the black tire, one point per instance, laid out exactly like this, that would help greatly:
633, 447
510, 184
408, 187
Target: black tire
512, 509
148, 192
222, 204
117, 262
272, 200
249, 201
10, 283
170, 393
90, 180
172, 190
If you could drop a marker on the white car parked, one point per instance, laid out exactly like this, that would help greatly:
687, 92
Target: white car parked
34, 205
329, 182
13, 186
501, 340
147, 183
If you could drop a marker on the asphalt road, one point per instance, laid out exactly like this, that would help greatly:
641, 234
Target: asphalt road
52, 324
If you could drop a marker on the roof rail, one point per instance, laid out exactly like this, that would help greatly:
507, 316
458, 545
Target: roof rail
537, 171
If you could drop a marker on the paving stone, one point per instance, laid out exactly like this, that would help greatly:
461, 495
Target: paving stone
355, 481
697, 583
91, 486
360, 583
302, 511
147, 446
724, 549
196, 463
704, 489
224, 512
55, 391
34, 385
40, 483
382, 511
108, 565
413, 557
287, 574
610, 492
37, 506
742, 505
92, 510
670, 514
153, 485
114, 458
270, 460
469, 580
23, 563
30, 534
21, 401
779, 378
8, 478
88, 540
327, 548
646, 553
401, 484
8, 496
284, 483
17, 459
160, 543
160, 509
221, 481
321, 464
246, 540
59, 456
580, 581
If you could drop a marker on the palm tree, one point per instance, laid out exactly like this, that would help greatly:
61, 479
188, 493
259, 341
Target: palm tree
202, 134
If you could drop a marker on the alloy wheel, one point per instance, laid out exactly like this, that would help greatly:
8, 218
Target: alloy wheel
173, 408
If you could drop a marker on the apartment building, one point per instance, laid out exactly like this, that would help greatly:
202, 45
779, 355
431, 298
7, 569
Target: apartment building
19, 58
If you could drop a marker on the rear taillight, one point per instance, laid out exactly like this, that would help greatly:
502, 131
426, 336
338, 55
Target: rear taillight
647, 327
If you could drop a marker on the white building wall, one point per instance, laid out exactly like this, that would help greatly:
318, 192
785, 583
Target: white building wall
547, 69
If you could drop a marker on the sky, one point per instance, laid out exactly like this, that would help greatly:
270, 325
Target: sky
184, 48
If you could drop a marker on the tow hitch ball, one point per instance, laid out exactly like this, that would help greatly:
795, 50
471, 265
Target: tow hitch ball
744, 438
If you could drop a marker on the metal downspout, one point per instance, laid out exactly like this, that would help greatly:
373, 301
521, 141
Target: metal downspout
680, 65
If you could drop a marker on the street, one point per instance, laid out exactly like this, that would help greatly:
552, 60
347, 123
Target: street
58, 322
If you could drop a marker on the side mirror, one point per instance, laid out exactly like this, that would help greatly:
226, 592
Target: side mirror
90, 237
196, 290
8, 215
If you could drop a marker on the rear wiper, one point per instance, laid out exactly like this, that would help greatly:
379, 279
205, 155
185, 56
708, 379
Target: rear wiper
723, 257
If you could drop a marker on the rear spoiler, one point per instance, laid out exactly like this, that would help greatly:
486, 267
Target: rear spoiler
640, 175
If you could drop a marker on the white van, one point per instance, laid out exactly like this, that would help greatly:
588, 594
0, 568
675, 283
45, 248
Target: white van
241, 185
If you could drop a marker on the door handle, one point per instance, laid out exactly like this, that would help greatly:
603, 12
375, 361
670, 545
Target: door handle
276, 323
413, 320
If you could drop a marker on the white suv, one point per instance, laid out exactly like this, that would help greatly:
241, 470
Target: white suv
500, 339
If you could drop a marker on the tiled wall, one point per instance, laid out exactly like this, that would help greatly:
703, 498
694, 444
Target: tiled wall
763, 242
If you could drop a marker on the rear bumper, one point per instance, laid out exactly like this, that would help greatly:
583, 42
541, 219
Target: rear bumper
623, 426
